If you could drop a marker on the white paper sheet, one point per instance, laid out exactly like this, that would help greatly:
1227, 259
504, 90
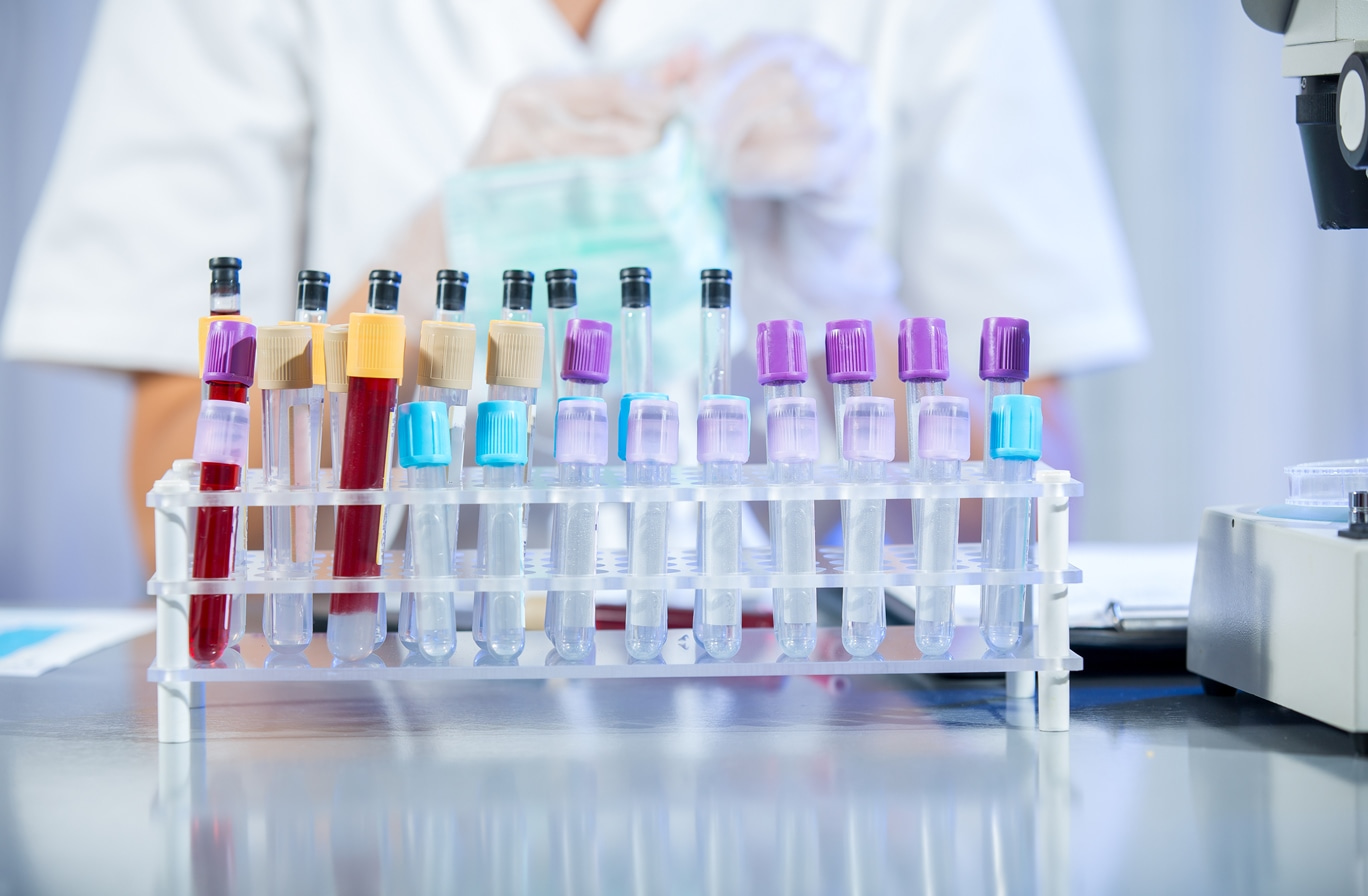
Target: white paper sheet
34, 641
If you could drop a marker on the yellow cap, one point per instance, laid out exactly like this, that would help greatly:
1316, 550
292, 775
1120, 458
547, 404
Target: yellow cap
284, 357
375, 346
516, 349
320, 367
335, 353
446, 355
204, 332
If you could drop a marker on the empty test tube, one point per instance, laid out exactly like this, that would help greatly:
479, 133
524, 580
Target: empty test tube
942, 443
517, 295
562, 306
652, 450
451, 296
335, 364
923, 366
849, 364
587, 357
581, 452
636, 329
513, 363
424, 441
723, 447
867, 446
501, 448
714, 362
1004, 364
1014, 444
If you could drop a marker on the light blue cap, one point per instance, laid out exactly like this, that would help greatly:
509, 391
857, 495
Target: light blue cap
500, 433
424, 434
624, 410
1016, 428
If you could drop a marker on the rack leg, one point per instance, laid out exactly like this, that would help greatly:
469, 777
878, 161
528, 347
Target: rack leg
1053, 554
172, 534
1020, 685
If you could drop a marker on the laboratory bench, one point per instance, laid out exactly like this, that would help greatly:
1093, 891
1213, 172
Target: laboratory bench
868, 784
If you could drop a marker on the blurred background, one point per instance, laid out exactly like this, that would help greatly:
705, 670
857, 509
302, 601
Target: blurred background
1252, 310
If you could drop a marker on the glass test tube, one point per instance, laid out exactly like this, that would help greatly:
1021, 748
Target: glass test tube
1004, 364
942, 442
517, 295
383, 299
1014, 443
562, 301
723, 447
501, 448
335, 354
513, 369
652, 450
451, 296
225, 302
867, 447
423, 436
636, 330
714, 362
849, 364
581, 452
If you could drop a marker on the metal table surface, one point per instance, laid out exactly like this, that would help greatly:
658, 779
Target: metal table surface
805, 785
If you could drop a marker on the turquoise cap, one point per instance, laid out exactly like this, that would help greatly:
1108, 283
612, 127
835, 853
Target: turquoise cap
1016, 428
424, 434
624, 409
500, 433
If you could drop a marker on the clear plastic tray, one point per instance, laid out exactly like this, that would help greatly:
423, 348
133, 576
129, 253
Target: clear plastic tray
1326, 483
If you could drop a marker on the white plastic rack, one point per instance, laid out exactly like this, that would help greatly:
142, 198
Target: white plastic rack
1044, 652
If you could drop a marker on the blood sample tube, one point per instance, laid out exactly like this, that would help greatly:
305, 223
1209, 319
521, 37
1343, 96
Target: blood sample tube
1014, 444
866, 447
714, 362
424, 441
652, 451
581, 452
291, 409
562, 306
588, 356
517, 295
221, 436
723, 446
225, 299
1004, 364
942, 442
451, 296
636, 329
501, 448
849, 364
375, 365
923, 366
311, 301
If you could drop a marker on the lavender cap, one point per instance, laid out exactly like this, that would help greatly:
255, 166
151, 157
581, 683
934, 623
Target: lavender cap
781, 352
850, 351
724, 429
221, 433
653, 431
230, 352
582, 431
1005, 349
588, 350
923, 351
791, 430
868, 429
943, 428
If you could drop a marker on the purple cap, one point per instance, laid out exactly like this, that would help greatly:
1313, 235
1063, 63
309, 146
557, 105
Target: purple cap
230, 352
724, 429
850, 351
943, 428
653, 431
791, 430
1005, 349
923, 352
868, 425
781, 352
588, 350
581, 431
221, 433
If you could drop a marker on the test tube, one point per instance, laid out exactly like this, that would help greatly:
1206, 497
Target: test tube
291, 412
225, 300
636, 329
1014, 439
587, 357
221, 435
866, 447
424, 440
652, 450
501, 448
942, 443
383, 297
849, 364
714, 362
311, 299
562, 301
513, 366
335, 366
581, 452
451, 296
375, 365
517, 295
1004, 364
923, 366
723, 447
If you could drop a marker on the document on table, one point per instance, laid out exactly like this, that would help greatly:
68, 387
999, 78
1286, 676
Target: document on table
34, 641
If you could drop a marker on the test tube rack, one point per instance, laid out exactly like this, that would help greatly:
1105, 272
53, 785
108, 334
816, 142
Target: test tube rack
1043, 654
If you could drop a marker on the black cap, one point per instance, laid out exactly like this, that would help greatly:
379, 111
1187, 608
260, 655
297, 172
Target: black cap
517, 290
384, 292
636, 287
313, 291
451, 290
561, 288
223, 271
716, 287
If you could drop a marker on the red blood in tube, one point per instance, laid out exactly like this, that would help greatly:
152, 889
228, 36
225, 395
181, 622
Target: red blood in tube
214, 548
365, 449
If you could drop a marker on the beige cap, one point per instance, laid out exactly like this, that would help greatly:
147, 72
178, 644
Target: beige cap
516, 350
284, 359
320, 369
335, 356
446, 355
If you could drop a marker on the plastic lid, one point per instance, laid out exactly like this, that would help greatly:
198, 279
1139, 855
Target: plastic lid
223, 271
284, 358
515, 354
313, 291
316, 331
850, 351
561, 288
335, 356
500, 433
424, 434
446, 355
867, 428
724, 429
375, 346
1016, 429
923, 350
1005, 349
582, 431
204, 323
781, 352
451, 290
1325, 483
943, 428
625, 410
716, 287
221, 433
653, 431
636, 287
384, 292
588, 350
791, 430
230, 352
517, 290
